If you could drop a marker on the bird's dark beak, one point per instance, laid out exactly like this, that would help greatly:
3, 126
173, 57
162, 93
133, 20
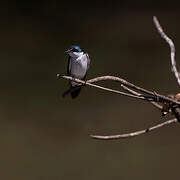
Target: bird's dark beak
69, 50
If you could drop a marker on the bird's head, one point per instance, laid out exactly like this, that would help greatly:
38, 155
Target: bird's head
74, 51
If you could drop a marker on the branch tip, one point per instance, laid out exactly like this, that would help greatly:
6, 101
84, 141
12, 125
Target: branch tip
60, 75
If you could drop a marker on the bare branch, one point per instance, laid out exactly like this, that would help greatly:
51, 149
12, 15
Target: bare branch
156, 105
172, 48
153, 96
133, 134
130, 90
138, 94
99, 87
156, 96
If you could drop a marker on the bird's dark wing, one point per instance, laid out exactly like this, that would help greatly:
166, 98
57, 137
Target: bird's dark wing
68, 66
88, 61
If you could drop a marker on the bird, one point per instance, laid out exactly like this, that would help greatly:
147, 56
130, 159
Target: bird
77, 67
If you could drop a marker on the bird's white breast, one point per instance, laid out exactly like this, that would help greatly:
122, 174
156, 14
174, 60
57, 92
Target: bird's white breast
78, 66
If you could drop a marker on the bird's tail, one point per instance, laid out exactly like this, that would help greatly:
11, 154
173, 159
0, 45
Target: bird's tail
66, 92
74, 92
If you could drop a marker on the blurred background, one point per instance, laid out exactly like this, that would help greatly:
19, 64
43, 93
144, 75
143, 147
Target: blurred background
42, 135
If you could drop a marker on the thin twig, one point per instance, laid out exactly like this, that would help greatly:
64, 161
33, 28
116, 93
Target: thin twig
133, 134
138, 94
130, 90
172, 48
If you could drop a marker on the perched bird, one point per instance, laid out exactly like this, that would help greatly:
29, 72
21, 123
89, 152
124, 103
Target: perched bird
78, 64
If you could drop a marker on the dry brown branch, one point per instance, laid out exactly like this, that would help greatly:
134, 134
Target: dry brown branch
148, 95
99, 87
172, 48
133, 134
156, 97
169, 104
138, 94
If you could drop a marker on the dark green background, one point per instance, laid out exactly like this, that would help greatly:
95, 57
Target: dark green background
46, 137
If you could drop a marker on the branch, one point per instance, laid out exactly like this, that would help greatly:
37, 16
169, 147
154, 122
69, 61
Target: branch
137, 94
133, 134
156, 97
172, 48
152, 95
99, 87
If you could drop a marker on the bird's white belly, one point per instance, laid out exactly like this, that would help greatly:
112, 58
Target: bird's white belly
78, 69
